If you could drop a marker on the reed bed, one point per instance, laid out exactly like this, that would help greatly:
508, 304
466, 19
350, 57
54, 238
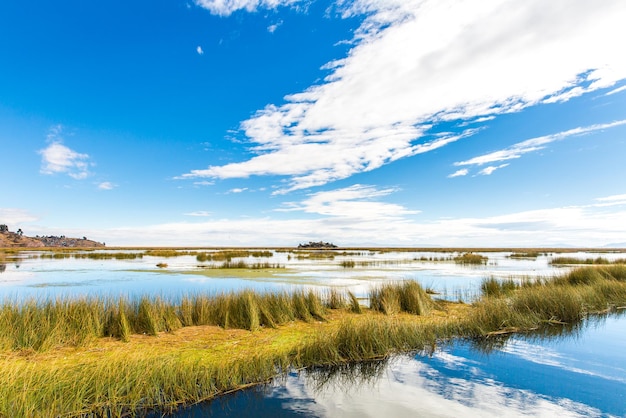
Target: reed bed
593, 261
470, 258
228, 255
248, 266
290, 329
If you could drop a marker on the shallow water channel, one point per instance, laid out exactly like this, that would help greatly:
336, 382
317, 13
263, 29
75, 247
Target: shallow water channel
579, 372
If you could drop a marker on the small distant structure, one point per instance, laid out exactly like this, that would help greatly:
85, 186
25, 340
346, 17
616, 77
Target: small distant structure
4, 228
317, 245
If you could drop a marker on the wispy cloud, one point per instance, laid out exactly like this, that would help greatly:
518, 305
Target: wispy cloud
238, 190
201, 213
106, 185
416, 63
11, 216
272, 28
355, 202
57, 158
227, 7
459, 173
615, 91
487, 171
535, 144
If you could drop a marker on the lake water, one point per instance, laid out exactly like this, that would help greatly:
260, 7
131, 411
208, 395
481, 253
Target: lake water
581, 373
28, 275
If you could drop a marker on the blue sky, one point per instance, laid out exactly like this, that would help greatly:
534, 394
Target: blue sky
274, 122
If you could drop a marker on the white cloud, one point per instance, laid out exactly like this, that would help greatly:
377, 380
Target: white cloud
354, 202
106, 185
272, 28
459, 173
238, 190
419, 62
352, 217
487, 171
58, 158
615, 198
535, 144
227, 7
199, 50
11, 216
615, 91
201, 213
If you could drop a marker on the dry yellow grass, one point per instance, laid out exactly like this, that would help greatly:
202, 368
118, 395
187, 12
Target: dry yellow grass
110, 375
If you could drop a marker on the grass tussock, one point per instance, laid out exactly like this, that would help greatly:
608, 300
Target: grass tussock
407, 296
471, 258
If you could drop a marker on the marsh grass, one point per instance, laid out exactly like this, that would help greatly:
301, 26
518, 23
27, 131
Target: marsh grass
407, 296
147, 374
249, 266
228, 255
470, 258
593, 261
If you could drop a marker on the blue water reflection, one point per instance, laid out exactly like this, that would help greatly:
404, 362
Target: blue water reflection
580, 375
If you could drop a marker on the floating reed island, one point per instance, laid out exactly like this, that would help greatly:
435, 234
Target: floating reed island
99, 356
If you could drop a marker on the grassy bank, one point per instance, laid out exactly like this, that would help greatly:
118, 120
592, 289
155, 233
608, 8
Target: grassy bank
118, 356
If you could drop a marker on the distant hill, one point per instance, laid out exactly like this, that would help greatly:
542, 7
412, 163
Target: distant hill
10, 239
616, 245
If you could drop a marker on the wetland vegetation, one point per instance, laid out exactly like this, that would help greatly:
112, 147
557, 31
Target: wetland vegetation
119, 356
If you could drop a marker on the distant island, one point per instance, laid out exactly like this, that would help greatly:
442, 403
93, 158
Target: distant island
10, 239
318, 245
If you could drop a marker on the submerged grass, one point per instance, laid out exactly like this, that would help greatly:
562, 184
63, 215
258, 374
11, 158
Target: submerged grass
58, 360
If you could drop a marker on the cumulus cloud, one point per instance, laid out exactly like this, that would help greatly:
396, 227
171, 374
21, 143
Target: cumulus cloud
417, 63
227, 7
57, 158
199, 50
535, 144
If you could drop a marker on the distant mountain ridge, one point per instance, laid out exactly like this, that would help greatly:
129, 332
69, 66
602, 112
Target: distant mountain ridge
10, 239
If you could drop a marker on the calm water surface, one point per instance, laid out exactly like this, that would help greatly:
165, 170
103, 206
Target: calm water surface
28, 275
580, 374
